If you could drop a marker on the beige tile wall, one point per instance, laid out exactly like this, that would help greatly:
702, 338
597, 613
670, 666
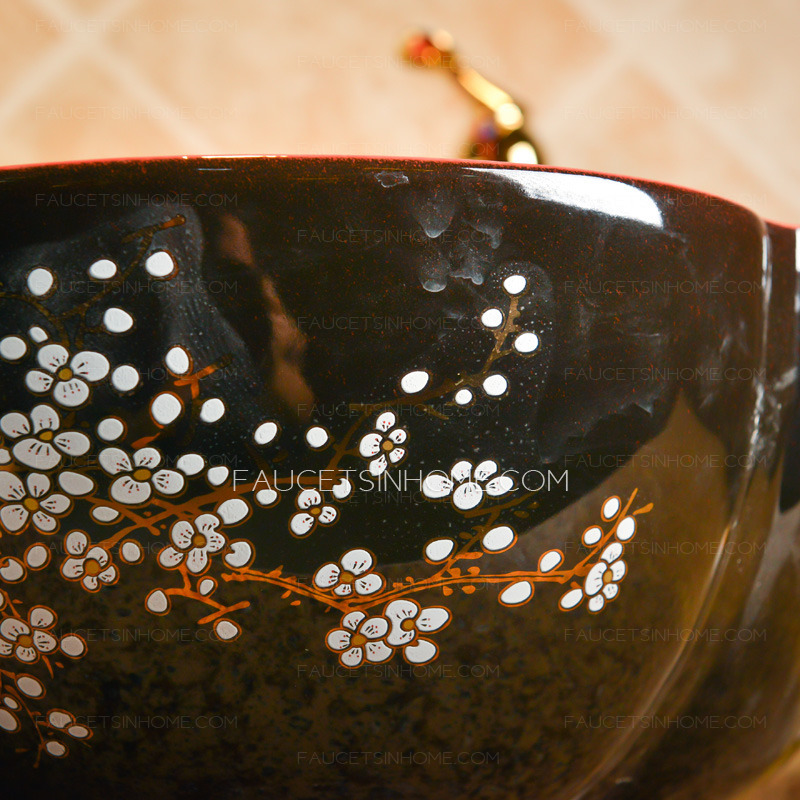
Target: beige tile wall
696, 92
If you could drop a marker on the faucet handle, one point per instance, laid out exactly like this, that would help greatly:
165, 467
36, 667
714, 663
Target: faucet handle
499, 135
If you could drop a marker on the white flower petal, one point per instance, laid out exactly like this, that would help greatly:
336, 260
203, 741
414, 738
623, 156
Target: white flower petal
611, 590
38, 484
431, 619
594, 580
71, 393
399, 610
353, 657
44, 642
130, 492
113, 460
467, 496
168, 481
413, 382
44, 522
421, 652
301, 524
374, 627
52, 357
485, 470
461, 470
398, 436
147, 457
369, 446
385, 421
90, 366
339, 639
436, 486
618, 570
72, 646
26, 654
326, 576
342, 489
378, 466
56, 503
266, 497
596, 603
190, 464
352, 620
13, 517
308, 498
36, 454
499, 486
169, 558
72, 568
181, 534
76, 542
11, 628
11, 487
378, 652
233, 511
15, 424
38, 382
197, 560
327, 515
516, 593
357, 561
75, 484
368, 584
45, 417
397, 455
612, 552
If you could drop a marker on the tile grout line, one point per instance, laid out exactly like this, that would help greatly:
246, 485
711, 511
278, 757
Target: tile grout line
766, 170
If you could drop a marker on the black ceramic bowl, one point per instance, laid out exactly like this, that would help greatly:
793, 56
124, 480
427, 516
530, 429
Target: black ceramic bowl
376, 478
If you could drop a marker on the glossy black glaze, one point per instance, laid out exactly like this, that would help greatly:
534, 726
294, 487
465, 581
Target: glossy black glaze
667, 331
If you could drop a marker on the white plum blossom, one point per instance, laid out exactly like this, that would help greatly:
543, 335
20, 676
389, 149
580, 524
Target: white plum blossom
68, 378
194, 543
467, 484
39, 442
31, 501
311, 511
91, 565
139, 475
602, 582
408, 620
360, 638
382, 447
27, 640
351, 574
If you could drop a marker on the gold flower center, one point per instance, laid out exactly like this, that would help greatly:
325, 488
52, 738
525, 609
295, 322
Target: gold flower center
46, 436
142, 474
608, 577
388, 445
25, 640
358, 640
346, 577
315, 511
407, 625
64, 374
92, 566
198, 540
30, 504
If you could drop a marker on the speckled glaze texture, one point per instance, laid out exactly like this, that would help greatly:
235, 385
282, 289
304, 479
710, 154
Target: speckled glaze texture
362, 478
